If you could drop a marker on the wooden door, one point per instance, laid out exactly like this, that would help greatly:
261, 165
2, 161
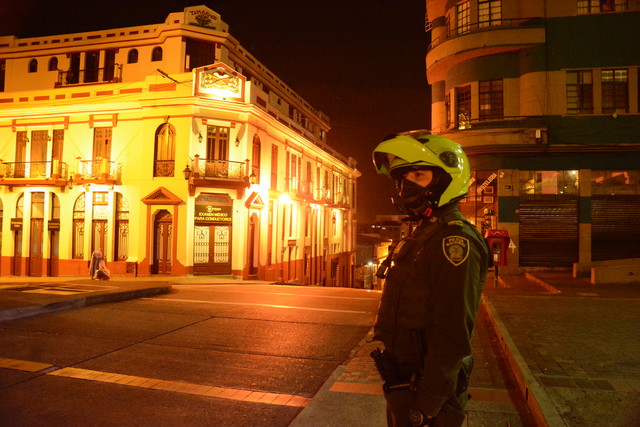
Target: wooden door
54, 256
38, 152
17, 253
36, 247
163, 239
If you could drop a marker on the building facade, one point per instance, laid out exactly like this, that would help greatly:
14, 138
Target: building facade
172, 149
544, 98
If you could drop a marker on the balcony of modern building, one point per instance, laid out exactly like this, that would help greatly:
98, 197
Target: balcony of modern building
451, 46
218, 173
42, 173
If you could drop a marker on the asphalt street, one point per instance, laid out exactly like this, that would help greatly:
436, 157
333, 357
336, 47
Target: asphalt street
261, 350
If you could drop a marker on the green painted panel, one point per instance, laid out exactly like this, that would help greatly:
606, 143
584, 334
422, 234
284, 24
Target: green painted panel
507, 207
585, 209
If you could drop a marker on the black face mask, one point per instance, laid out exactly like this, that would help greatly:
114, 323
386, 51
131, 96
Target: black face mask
411, 198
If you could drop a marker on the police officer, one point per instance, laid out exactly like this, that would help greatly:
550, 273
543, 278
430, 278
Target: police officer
432, 292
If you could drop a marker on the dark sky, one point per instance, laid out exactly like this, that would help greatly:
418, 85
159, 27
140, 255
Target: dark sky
361, 62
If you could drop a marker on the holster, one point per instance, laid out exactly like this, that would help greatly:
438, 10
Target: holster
393, 380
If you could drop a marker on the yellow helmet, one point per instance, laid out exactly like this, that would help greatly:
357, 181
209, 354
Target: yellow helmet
402, 152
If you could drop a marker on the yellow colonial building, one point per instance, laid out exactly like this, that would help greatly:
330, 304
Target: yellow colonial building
172, 149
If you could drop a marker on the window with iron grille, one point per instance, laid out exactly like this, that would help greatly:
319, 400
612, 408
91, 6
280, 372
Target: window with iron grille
491, 101
615, 91
463, 107
580, 92
489, 13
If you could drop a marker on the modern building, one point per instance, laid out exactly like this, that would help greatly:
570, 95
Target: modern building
172, 149
543, 96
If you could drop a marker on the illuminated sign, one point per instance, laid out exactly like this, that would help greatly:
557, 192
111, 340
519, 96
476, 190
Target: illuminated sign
202, 16
213, 213
219, 81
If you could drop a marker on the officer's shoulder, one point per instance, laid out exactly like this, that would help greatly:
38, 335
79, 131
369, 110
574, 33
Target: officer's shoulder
456, 223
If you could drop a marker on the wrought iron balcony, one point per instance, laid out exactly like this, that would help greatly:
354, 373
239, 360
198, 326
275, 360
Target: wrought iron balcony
218, 173
98, 171
51, 173
89, 76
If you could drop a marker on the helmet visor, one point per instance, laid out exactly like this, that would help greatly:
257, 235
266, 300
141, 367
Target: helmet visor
382, 161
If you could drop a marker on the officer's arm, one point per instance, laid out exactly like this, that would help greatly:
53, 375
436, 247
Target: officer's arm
455, 267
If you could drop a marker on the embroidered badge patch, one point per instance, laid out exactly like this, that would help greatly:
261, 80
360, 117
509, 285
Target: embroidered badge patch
456, 249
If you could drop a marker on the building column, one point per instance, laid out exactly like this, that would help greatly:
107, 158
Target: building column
583, 267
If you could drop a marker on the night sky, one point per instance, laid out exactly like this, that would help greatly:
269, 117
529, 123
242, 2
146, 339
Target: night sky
361, 62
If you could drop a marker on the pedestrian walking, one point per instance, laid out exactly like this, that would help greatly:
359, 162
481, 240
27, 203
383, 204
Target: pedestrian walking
434, 280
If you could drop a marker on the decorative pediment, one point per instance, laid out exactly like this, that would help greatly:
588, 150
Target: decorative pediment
254, 201
161, 196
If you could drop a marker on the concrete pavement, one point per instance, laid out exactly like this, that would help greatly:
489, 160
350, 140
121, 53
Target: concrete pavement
572, 346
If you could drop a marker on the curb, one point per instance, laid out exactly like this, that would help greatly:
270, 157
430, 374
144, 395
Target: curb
542, 408
19, 313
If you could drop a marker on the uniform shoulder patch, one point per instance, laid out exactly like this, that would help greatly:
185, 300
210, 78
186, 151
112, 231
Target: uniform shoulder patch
456, 249
456, 222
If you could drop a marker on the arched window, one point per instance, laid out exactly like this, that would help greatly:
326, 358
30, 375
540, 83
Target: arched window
156, 55
33, 66
53, 64
132, 57
78, 228
164, 163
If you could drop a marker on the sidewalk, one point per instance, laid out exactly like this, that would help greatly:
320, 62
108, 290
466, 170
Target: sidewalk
573, 349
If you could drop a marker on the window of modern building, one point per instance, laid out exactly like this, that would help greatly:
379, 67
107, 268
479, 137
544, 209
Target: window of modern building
491, 100
463, 18
78, 227
549, 182
53, 64
33, 66
132, 56
597, 6
463, 107
615, 91
580, 92
615, 182
164, 161
489, 13
156, 54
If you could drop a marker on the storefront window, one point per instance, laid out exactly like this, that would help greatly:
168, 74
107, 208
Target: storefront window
549, 182
615, 182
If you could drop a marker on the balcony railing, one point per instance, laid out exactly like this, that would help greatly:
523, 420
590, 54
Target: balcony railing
101, 170
94, 75
34, 170
216, 169
486, 26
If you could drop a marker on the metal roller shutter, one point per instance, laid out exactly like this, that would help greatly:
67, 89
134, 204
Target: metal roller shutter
548, 230
615, 227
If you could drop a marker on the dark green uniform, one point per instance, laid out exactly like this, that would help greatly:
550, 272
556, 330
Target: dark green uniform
428, 311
